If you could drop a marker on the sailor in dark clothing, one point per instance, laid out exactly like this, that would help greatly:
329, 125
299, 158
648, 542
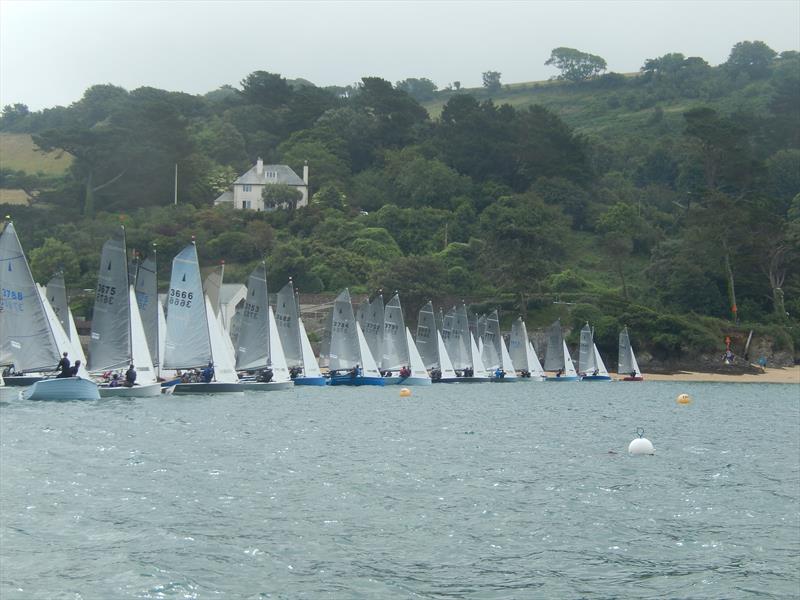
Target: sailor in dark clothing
208, 373
73, 372
265, 376
63, 367
130, 377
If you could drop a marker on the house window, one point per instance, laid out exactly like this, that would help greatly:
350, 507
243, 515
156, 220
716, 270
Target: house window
246, 203
272, 174
247, 187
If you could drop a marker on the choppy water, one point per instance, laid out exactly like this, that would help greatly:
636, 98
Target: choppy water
471, 491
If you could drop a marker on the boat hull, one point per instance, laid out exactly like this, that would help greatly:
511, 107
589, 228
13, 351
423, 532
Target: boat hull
357, 381
565, 378
150, 390
595, 378
265, 386
22, 380
395, 380
448, 380
208, 388
63, 388
310, 381
538, 378
632, 379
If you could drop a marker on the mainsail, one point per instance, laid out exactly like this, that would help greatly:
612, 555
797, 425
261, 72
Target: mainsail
343, 352
287, 321
586, 362
57, 295
26, 339
395, 348
252, 350
110, 342
371, 322
518, 345
627, 359
427, 336
212, 286
554, 356
460, 337
187, 342
491, 342
147, 298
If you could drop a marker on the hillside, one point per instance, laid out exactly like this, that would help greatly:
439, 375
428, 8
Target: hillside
668, 201
19, 153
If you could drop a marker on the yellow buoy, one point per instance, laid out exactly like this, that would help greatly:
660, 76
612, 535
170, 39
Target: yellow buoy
405, 392
684, 399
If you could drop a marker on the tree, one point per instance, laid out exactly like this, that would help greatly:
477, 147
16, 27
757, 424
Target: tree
491, 80
279, 195
753, 58
266, 89
420, 89
619, 224
53, 256
576, 66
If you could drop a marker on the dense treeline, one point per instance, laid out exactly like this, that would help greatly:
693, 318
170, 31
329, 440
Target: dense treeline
694, 212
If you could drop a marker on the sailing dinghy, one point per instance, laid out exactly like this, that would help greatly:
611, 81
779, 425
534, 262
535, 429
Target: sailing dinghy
118, 338
627, 359
194, 338
303, 366
31, 337
590, 364
557, 357
399, 351
522, 353
258, 345
432, 349
349, 358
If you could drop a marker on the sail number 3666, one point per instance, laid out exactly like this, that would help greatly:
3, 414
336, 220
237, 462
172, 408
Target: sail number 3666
178, 297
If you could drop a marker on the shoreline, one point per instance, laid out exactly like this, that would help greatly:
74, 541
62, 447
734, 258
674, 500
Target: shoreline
770, 375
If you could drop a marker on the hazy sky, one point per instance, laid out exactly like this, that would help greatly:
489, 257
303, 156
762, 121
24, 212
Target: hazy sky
50, 52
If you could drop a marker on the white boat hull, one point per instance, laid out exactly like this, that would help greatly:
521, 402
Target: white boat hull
64, 388
138, 391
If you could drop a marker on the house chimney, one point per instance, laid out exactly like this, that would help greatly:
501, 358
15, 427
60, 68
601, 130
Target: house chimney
305, 172
259, 166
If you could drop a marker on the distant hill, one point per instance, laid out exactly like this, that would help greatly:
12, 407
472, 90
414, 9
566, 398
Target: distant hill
19, 153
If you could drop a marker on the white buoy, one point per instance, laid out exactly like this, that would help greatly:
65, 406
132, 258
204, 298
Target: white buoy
641, 445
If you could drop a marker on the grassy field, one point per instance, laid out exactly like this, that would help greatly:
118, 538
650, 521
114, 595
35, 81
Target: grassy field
19, 153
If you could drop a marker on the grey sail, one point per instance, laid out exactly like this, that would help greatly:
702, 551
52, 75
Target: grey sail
26, 340
481, 326
57, 295
395, 348
343, 352
448, 323
491, 342
554, 356
518, 345
252, 346
427, 343
187, 343
110, 342
286, 318
461, 338
146, 288
473, 324
586, 352
440, 319
372, 326
212, 285
625, 364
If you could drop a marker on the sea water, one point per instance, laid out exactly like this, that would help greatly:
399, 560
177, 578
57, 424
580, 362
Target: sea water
518, 490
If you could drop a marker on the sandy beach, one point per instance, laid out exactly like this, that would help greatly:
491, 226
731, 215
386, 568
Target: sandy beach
771, 375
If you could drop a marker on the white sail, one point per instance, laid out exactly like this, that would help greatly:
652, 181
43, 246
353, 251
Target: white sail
57, 296
554, 356
140, 351
598, 363
518, 345
74, 337
414, 359
221, 357
426, 339
310, 366
162, 334
343, 346
253, 342
569, 366
505, 361
63, 343
491, 342
147, 298
627, 359
445, 365
478, 368
534, 366
371, 320
460, 336
280, 371
286, 318
187, 339
368, 365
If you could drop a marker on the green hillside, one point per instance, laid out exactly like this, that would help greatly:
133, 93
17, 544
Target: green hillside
667, 200
19, 153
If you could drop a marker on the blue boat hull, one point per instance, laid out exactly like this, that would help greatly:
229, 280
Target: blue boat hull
563, 378
349, 380
310, 381
595, 378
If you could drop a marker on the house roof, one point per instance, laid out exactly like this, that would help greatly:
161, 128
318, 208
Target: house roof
224, 197
284, 175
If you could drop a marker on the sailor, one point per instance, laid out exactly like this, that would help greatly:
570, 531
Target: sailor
208, 373
130, 376
499, 373
114, 380
73, 372
63, 366
265, 376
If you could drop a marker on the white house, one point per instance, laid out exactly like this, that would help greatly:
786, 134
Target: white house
247, 188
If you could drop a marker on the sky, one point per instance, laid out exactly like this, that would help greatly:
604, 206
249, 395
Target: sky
50, 52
